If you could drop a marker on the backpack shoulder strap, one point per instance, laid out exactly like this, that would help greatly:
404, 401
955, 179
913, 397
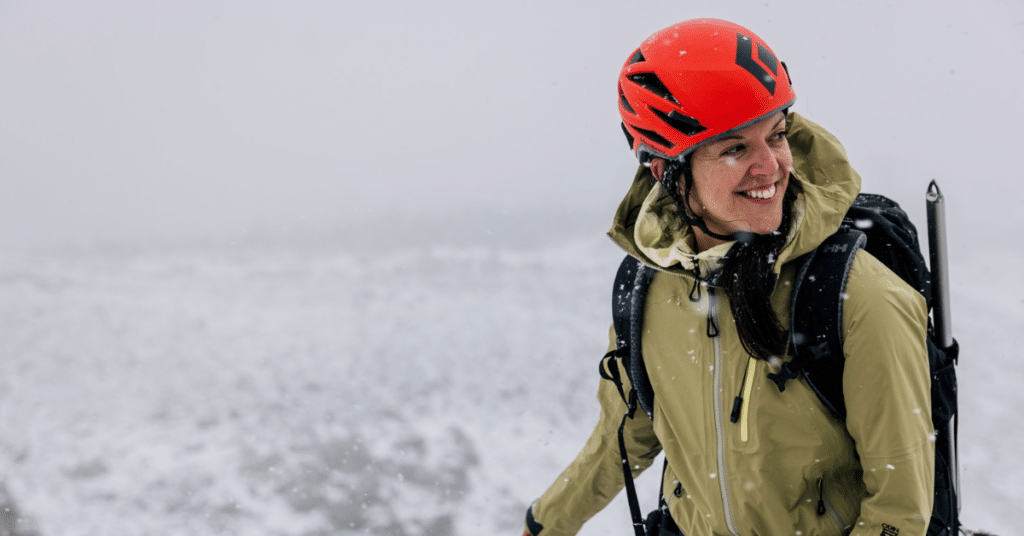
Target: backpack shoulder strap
817, 318
622, 290
622, 299
629, 295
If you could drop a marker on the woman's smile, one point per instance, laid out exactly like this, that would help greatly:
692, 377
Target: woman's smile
762, 194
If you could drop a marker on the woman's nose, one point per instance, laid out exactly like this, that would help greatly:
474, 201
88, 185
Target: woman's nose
765, 164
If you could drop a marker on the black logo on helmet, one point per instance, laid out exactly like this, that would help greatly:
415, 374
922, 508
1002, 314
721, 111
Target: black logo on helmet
745, 59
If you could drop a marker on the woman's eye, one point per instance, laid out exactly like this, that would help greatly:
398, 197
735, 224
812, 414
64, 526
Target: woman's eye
733, 150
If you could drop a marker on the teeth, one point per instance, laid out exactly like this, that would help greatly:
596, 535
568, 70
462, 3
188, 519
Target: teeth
767, 193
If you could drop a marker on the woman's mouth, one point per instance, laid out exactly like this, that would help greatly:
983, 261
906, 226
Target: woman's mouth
763, 193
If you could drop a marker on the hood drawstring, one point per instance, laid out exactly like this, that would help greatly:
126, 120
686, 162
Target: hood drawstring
712, 330
695, 290
695, 297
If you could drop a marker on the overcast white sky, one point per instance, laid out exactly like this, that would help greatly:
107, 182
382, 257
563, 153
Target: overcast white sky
128, 121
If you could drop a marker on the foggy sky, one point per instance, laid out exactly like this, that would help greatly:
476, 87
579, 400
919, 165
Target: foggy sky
147, 122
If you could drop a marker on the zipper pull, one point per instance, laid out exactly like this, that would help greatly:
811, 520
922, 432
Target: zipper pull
712, 329
737, 405
821, 497
695, 291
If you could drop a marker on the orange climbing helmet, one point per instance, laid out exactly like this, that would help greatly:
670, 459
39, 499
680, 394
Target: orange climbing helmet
696, 81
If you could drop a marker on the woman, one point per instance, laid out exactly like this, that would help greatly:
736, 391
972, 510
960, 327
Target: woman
732, 189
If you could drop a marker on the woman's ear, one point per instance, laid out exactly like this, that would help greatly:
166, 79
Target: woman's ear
657, 168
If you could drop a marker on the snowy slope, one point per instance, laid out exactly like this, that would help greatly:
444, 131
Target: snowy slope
431, 390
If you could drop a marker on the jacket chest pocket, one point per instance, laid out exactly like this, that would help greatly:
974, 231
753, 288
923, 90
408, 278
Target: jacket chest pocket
785, 422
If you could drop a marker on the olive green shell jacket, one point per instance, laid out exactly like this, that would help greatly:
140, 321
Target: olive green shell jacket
787, 466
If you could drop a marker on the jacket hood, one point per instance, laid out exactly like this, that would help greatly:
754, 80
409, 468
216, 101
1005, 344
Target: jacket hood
822, 187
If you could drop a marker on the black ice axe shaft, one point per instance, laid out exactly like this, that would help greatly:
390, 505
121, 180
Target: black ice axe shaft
941, 315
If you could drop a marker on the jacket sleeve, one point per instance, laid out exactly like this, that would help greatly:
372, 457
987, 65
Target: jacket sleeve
594, 478
888, 389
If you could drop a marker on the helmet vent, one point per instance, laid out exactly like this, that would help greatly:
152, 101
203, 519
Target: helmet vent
655, 137
637, 57
625, 103
652, 83
683, 123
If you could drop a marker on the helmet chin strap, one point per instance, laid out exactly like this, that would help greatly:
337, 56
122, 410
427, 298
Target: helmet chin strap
673, 169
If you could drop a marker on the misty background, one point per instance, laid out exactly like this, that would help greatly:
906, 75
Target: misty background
127, 124
324, 267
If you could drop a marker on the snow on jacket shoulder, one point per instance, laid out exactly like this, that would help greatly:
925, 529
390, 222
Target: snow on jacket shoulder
786, 466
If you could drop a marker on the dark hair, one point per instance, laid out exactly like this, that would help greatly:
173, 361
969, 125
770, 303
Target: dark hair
746, 276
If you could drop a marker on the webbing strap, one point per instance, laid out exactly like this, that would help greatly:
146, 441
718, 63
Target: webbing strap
610, 371
627, 472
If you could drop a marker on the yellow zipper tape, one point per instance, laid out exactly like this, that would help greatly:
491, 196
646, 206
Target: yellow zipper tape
748, 386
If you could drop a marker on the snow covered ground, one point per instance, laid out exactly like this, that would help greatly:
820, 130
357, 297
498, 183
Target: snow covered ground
428, 390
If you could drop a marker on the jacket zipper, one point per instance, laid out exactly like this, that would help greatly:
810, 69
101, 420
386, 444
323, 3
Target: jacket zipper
826, 506
723, 482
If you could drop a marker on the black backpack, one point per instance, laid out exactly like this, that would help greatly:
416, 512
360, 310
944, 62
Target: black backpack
874, 223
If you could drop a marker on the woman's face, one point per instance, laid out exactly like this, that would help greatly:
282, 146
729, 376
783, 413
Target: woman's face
739, 181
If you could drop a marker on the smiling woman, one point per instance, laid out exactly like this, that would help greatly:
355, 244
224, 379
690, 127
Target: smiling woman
732, 191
